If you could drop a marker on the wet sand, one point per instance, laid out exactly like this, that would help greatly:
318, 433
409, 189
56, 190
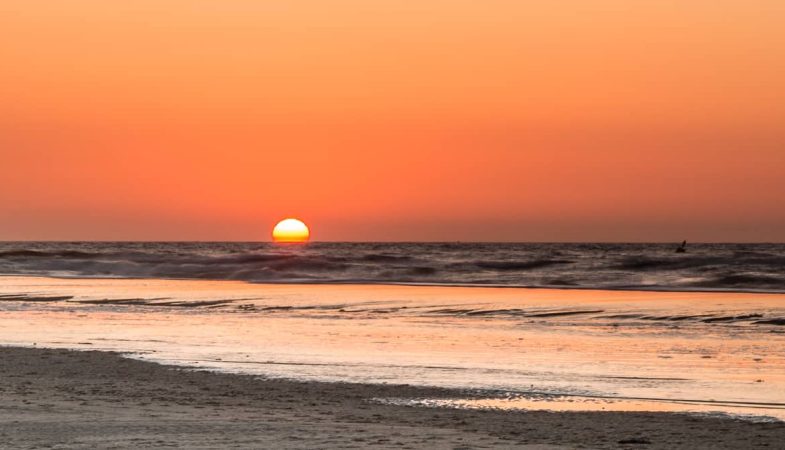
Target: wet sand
70, 399
568, 351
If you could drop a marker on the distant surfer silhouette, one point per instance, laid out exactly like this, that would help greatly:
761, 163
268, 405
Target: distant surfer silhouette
682, 248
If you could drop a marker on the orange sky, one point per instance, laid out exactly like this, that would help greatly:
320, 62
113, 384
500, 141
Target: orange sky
646, 120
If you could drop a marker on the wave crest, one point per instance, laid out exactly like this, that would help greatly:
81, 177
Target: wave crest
600, 266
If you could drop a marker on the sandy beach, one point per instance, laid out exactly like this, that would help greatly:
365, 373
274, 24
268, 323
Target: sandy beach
71, 399
90, 363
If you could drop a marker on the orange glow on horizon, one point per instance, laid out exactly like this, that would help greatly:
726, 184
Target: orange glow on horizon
291, 231
387, 120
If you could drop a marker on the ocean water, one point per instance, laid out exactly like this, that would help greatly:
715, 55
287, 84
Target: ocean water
722, 267
620, 326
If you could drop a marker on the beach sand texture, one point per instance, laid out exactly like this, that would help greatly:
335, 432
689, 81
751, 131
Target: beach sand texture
67, 399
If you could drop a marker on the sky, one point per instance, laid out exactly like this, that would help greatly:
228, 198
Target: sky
493, 120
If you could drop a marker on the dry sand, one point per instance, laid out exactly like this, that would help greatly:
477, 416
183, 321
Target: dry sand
67, 399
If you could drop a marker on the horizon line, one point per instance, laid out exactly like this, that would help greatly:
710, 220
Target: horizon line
676, 241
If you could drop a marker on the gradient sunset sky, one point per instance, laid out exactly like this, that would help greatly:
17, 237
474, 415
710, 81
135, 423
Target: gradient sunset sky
565, 120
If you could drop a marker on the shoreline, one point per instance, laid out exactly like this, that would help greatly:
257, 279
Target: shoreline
77, 399
585, 347
674, 290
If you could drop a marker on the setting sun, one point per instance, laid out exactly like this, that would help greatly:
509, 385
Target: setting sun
291, 230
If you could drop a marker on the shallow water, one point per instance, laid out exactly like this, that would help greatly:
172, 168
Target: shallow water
568, 403
679, 351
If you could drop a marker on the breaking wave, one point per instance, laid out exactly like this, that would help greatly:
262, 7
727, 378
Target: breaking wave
732, 267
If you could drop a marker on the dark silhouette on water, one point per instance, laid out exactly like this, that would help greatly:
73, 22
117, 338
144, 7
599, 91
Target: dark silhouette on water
682, 248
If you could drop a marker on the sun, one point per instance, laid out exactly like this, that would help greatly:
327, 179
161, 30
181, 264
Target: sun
291, 230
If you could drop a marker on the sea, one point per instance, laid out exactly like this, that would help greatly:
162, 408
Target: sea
703, 267
562, 327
